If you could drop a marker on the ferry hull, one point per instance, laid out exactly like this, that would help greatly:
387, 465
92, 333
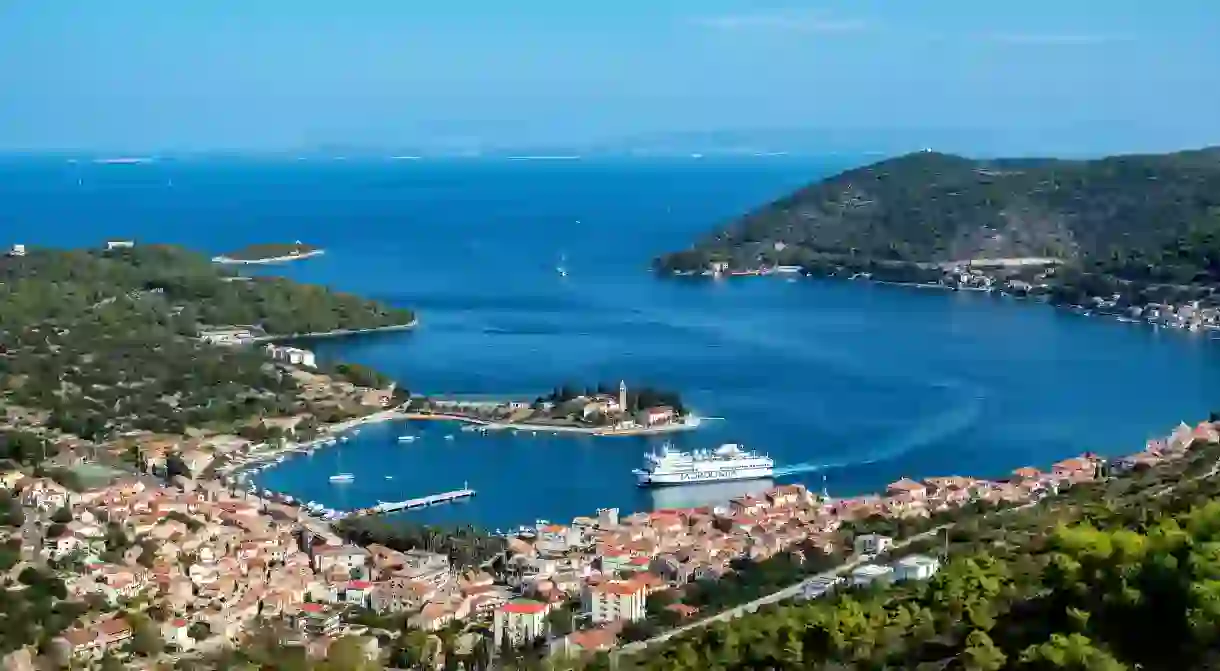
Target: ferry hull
647, 479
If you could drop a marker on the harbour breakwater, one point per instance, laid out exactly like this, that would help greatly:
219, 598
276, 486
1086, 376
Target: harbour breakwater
689, 424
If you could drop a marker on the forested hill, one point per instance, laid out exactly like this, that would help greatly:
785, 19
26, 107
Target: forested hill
177, 285
931, 207
105, 341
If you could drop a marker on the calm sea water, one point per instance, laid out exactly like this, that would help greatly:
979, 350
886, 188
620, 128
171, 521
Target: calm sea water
858, 384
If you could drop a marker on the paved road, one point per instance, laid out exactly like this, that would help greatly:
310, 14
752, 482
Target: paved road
793, 590
775, 597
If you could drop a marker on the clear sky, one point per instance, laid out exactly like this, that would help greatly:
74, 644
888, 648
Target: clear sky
147, 75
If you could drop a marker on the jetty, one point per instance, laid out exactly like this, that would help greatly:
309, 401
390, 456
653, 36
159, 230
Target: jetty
432, 499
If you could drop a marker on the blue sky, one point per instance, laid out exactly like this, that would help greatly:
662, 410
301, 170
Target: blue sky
279, 75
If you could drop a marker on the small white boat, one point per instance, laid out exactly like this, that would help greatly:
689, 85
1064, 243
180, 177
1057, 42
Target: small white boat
389, 477
406, 439
342, 477
449, 437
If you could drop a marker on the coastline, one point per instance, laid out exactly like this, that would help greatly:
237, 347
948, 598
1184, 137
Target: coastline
326, 434
230, 261
691, 424
1069, 308
338, 333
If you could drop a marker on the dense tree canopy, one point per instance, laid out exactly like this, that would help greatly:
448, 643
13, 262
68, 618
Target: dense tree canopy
1152, 214
105, 340
638, 398
1119, 575
465, 546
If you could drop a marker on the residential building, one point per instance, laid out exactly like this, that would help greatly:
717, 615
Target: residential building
292, 355
602, 405
92, 641
427, 567
594, 640
175, 633
907, 488
614, 600
556, 538
662, 414
345, 557
916, 567
316, 619
520, 621
872, 544
818, 587
868, 574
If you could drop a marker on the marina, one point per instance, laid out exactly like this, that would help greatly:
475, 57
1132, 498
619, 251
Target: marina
875, 383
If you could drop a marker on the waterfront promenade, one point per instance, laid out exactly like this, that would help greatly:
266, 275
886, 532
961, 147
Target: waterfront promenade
689, 424
326, 435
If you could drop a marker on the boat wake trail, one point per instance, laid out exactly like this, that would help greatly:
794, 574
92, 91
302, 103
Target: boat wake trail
937, 429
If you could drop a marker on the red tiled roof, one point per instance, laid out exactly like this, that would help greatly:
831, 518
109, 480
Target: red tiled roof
524, 607
359, 584
593, 639
619, 588
114, 627
312, 607
905, 485
178, 622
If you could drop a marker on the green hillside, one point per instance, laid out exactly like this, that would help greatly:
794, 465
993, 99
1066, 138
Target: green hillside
932, 207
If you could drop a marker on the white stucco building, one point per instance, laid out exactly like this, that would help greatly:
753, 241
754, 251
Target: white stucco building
520, 621
615, 600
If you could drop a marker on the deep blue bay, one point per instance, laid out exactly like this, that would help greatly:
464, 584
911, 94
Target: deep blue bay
860, 383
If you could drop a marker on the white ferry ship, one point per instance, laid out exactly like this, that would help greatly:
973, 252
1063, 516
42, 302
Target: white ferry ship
727, 462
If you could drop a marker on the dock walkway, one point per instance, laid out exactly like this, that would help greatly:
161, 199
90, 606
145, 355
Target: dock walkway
421, 502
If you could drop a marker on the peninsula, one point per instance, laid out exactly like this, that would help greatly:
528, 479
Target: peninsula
97, 342
269, 253
1136, 236
600, 411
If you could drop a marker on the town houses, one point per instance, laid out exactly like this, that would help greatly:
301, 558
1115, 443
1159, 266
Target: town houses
214, 564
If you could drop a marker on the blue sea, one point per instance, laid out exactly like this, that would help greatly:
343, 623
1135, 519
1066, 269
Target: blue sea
847, 385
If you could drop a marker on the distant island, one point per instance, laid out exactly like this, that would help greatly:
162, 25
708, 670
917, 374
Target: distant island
601, 410
1136, 236
275, 252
